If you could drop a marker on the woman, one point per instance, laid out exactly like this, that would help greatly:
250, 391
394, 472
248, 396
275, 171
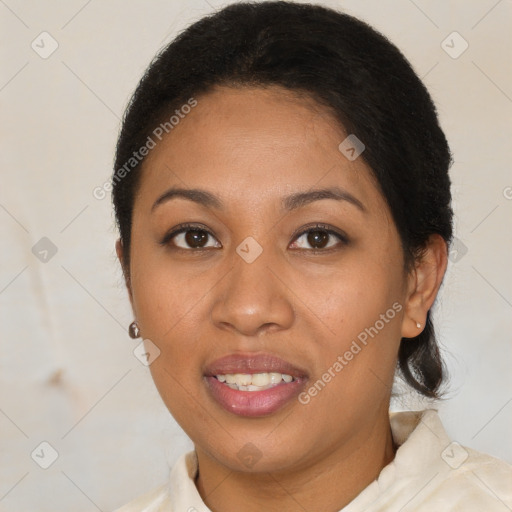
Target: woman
283, 200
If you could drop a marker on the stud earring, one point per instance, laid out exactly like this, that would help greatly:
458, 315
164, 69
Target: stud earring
134, 331
418, 325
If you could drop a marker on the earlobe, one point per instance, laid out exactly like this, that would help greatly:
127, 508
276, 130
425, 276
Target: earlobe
424, 283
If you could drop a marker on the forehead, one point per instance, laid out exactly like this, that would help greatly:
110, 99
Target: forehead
244, 144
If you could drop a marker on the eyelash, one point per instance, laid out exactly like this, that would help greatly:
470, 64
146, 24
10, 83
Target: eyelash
183, 228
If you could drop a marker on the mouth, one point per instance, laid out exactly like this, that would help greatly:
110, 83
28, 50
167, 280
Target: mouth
253, 384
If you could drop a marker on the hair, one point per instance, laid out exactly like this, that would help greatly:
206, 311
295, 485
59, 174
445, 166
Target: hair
345, 66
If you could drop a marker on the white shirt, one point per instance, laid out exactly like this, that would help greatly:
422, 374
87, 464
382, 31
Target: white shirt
428, 474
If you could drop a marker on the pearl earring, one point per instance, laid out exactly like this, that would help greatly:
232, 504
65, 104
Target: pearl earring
418, 325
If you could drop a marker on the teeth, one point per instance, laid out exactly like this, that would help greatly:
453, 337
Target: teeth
275, 378
242, 379
260, 379
253, 382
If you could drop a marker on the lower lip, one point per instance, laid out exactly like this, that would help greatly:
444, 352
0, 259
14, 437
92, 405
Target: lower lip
254, 403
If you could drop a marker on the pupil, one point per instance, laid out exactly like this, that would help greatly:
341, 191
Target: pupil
318, 239
196, 237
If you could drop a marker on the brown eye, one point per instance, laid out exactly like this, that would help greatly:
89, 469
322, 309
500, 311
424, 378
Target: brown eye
196, 238
191, 237
319, 238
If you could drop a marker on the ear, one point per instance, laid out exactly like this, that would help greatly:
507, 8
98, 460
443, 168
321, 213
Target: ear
126, 273
424, 282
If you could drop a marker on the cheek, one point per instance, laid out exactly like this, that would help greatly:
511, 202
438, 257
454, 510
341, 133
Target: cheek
170, 308
170, 305
356, 328
348, 298
165, 295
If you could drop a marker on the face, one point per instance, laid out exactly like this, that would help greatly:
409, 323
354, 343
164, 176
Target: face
277, 309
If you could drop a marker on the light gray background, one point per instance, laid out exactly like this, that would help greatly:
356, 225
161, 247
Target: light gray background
68, 375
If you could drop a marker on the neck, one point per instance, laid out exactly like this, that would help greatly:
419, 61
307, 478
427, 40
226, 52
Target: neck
329, 483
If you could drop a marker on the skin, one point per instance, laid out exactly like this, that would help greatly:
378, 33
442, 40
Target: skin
251, 147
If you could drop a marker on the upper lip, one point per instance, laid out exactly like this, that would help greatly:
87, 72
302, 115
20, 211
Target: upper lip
252, 363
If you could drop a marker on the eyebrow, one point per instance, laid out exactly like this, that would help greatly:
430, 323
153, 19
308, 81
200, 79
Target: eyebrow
192, 194
291, 202
301, 199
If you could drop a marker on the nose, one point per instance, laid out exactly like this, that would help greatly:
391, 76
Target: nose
254, 297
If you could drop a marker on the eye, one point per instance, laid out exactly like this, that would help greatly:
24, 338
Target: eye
196, 237
190, 237
319, 237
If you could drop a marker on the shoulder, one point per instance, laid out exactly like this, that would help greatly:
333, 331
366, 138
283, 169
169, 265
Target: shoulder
156, 500
474, 481
431, 471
